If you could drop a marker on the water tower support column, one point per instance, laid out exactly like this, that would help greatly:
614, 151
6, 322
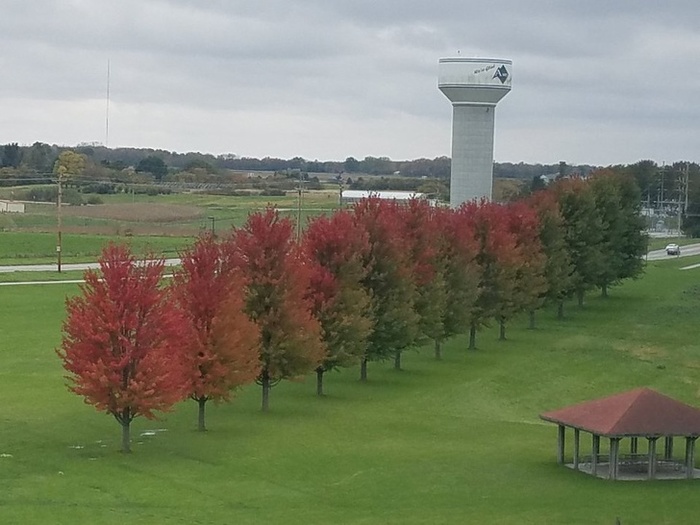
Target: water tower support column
472, 152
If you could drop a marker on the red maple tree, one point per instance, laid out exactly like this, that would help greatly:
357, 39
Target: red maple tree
552, 235
422, 225
336, 247
222, 353
123, 338
530, 279
277, 280
498, 258
457, 251
388, 281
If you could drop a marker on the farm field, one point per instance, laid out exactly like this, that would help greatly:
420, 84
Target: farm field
451, 441
163, 224
178, 214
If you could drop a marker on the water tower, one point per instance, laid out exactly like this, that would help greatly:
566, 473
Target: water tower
474, 86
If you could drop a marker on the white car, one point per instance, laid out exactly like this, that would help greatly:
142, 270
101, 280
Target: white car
673, 249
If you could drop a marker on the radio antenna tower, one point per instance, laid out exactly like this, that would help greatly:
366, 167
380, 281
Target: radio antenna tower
107, 112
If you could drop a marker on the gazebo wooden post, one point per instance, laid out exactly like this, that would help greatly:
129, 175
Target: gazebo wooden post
690, 457
595, 450
614, 457
577, 444
668, 447
652, 457
561, 441
633, 445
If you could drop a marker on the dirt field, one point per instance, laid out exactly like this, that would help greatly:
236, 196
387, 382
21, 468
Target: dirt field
137, 212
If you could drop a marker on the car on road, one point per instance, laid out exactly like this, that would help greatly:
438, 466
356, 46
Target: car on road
673, 249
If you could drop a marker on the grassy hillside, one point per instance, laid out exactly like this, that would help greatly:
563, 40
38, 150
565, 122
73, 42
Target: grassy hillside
455, 441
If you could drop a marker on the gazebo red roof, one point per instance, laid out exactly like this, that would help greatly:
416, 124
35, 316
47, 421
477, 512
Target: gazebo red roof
639, 412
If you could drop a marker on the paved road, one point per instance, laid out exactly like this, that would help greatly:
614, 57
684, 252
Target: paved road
686, 251
655, 255
64, 267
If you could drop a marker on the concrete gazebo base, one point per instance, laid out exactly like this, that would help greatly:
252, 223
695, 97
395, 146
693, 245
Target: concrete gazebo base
640, 415
638, 471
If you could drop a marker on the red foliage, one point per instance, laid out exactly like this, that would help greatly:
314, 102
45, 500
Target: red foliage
457, 237
524, 223
386, 230
389, 278
457, 251
497, 256
222, 352
123, 339
335, 248
531, 282
422, 234
332, 244
491, 226
277, 279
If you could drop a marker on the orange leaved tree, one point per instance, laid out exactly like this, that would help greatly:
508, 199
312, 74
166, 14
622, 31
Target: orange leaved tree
222, 352
123, 340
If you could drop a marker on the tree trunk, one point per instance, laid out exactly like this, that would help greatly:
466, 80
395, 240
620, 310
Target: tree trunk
363, 370
532, 320
126, 436
502, 329
438, 350
202, 401
319, 381
265, 382
560, 311
580, 294
472, 337
604, 291
397, 360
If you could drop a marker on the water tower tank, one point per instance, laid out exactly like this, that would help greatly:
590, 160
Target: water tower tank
474, 86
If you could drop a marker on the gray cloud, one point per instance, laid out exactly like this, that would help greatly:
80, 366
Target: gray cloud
599, 82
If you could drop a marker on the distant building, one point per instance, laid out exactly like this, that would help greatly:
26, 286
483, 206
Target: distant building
352, 196
11, 207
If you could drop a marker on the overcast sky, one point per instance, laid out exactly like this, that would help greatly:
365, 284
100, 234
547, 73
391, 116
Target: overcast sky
597, 82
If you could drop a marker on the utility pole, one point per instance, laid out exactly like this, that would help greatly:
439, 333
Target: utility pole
687, 183
663, 173
59, 218
683, 195
299, 204
340, 191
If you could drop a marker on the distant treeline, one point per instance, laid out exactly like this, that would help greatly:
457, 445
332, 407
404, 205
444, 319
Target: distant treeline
666, 190
40, 158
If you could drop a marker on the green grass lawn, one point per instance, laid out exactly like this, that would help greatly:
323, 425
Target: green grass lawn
456, 441
36, 248
54, 276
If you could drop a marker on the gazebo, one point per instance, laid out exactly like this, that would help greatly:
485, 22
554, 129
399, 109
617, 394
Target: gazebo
638, 414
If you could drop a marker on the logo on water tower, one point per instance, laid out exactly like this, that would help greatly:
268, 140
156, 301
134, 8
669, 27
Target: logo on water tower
501, 74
